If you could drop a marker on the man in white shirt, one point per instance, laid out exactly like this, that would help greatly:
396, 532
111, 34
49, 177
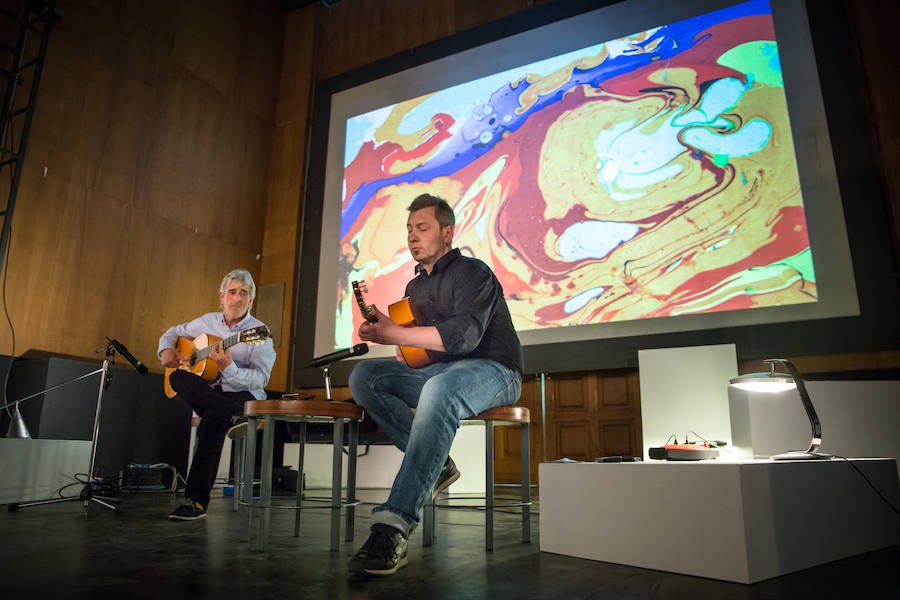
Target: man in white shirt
244, 371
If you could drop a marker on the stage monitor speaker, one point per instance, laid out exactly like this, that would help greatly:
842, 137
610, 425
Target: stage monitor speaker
138, 424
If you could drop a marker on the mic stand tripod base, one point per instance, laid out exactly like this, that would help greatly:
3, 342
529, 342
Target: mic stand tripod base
87, 496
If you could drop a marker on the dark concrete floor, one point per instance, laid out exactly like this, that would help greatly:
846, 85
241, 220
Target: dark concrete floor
55, 551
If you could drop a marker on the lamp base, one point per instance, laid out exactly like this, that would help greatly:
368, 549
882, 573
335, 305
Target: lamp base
800, 455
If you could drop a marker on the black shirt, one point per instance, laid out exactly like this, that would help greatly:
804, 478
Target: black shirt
464, 300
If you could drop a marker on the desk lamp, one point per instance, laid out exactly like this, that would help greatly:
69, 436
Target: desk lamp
777, 382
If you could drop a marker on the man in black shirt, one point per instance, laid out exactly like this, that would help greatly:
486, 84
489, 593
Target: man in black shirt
465, 333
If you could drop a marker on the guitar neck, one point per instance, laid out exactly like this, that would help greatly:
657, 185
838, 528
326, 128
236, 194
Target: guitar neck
226, 343
367, 313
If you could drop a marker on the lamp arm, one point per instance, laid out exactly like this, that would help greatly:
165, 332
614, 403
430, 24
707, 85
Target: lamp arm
807, 404
16, 403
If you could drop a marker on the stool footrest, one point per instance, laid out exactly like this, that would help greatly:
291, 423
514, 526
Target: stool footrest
285, 506
496, 505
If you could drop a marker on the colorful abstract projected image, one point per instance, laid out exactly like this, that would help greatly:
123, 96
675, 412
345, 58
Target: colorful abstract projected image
648, 176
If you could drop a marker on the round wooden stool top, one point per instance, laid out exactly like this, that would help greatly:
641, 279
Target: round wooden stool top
512, 414
303, 408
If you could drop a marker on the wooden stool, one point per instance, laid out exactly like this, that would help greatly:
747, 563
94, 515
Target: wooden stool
498, 416
302, 412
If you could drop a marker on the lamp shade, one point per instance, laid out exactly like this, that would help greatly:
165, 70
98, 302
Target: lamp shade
764, 382
17, 428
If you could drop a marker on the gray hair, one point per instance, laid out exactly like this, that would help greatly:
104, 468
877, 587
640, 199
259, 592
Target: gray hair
242, 276
442, 211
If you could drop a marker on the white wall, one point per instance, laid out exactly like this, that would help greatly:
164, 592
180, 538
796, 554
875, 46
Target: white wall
684, 390
859, 419
377, 468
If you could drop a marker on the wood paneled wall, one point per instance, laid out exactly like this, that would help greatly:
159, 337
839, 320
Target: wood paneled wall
170, 142
357, 32
146, 172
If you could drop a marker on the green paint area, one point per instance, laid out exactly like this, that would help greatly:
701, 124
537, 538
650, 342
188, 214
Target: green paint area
758, 60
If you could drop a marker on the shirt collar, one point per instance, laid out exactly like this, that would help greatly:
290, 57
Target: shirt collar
441, 263
239, 325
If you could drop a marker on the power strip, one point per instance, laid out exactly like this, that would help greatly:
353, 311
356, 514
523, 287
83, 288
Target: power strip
683, 452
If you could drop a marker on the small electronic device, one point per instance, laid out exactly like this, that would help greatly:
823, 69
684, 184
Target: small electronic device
617, 459
158, 477
683, 452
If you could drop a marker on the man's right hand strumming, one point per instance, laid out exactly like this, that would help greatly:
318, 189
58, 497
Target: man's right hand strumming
170, 358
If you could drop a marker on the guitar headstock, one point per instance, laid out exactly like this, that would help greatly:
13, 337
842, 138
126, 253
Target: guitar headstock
255, 335
367, 310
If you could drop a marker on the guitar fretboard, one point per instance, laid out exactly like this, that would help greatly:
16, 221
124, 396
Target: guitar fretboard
226, 343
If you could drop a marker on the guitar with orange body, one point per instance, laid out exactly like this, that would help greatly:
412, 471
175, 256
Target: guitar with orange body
197, 353
400, 313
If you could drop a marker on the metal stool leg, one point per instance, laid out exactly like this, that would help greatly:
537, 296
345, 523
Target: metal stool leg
301, 454
489, 485
265, 475
336, 471
247, 472
352, 444
526, 484
428, 519
238, 455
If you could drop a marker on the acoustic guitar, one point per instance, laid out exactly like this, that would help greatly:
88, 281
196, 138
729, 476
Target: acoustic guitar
197, 352
400, 313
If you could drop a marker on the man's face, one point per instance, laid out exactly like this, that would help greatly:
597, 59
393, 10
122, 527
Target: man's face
427, 240
235, 300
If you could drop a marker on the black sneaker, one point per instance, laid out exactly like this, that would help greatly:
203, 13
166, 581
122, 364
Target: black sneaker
384, 553
238, 427
448, 475
190, 510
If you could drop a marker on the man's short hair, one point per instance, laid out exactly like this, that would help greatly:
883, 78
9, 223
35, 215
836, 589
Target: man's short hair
442, 211
242, 276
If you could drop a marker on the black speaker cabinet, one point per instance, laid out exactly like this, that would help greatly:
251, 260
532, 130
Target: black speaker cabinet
138, 424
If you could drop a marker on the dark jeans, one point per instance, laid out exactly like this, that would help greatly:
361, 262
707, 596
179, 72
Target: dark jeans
216, 408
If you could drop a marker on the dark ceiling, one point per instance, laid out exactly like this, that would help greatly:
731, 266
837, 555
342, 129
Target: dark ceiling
289, 5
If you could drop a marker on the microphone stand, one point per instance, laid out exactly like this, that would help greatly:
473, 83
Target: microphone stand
326, 374
324, 362
87, 494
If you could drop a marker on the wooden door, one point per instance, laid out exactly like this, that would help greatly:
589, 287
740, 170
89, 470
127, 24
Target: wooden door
593, 414
585, 415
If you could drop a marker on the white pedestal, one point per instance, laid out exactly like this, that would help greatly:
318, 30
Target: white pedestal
37, 469
743, 521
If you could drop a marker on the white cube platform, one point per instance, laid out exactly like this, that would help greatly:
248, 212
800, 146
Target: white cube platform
38, 469
735, 521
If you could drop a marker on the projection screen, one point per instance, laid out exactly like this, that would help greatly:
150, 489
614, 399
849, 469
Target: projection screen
647, 167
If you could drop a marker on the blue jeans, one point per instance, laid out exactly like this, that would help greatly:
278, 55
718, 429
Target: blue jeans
442, 394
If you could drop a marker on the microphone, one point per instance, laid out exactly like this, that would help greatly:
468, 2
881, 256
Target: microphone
121, 349
327, 359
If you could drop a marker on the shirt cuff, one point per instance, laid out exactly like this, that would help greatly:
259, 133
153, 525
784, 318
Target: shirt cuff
230, 370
